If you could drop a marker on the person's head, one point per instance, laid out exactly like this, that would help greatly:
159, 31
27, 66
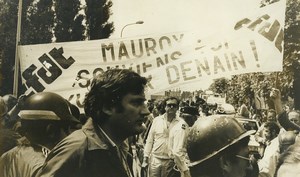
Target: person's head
286, 139
171, 105
241, 102
294, 117
189, 114
159, 108
117, 100
218, 146
270, 130
258, 116
271, 115
289, 162
46, 118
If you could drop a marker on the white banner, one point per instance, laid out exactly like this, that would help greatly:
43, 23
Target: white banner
253, 44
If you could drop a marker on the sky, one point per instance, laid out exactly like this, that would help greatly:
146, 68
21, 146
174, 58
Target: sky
165, 16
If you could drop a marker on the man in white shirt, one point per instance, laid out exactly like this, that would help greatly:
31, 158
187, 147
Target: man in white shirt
156, 153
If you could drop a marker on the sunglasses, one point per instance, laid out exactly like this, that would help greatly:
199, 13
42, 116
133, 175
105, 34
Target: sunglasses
172, 105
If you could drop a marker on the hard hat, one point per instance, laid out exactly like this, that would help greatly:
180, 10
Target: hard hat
211, 135
46, 106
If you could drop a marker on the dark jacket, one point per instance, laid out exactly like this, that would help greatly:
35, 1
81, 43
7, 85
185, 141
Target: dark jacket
85, 153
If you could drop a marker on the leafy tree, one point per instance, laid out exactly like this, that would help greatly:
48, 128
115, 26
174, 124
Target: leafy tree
97, 15
68, 21
292, 47
8, 26
220, 85
288, 81
38, 22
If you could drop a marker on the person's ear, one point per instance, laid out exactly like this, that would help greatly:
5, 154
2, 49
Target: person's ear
50, 131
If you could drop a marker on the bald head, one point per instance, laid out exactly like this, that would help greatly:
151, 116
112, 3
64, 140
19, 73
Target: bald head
294, 117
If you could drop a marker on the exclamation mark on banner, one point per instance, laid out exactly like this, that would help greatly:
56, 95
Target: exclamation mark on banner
252, 43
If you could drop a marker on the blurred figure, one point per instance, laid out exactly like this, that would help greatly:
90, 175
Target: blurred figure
289, 162
288, 120
270, 131
13, 118
243, 109
271, 117
268, 163
258, 116
46, 120
8, 140
116, 106
217, 146
268, 146
3, 112
156, 154
177, 141
10, 101
286, 139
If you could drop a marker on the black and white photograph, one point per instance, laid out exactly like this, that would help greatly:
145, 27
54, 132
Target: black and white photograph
149, 88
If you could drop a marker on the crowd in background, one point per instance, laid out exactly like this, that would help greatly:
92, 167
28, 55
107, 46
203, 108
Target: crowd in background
45, 135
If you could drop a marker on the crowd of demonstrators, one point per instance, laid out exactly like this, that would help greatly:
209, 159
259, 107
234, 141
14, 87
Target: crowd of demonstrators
45, 119
116, 106
290, 127
119, 134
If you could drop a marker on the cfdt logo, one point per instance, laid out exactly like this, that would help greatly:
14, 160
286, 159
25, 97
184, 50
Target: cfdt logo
52, 68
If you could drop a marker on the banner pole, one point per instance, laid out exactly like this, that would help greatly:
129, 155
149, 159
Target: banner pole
17, 62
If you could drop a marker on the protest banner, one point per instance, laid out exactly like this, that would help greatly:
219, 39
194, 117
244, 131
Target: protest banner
252, 44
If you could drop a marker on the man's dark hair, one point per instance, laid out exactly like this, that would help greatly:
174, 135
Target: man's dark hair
109, 88
273, 127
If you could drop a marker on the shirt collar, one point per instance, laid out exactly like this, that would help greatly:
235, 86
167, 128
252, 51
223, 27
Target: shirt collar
107, 137
97, 138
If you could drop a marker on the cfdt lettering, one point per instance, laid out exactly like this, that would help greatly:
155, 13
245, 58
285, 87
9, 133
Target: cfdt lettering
51, 69
271, 30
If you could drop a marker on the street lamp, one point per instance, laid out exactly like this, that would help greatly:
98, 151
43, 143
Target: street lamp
136, 23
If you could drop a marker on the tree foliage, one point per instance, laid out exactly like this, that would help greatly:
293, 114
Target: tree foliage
68, 21
8, 11
37, 22
288, 81
220, 85
46, 20
97, 15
